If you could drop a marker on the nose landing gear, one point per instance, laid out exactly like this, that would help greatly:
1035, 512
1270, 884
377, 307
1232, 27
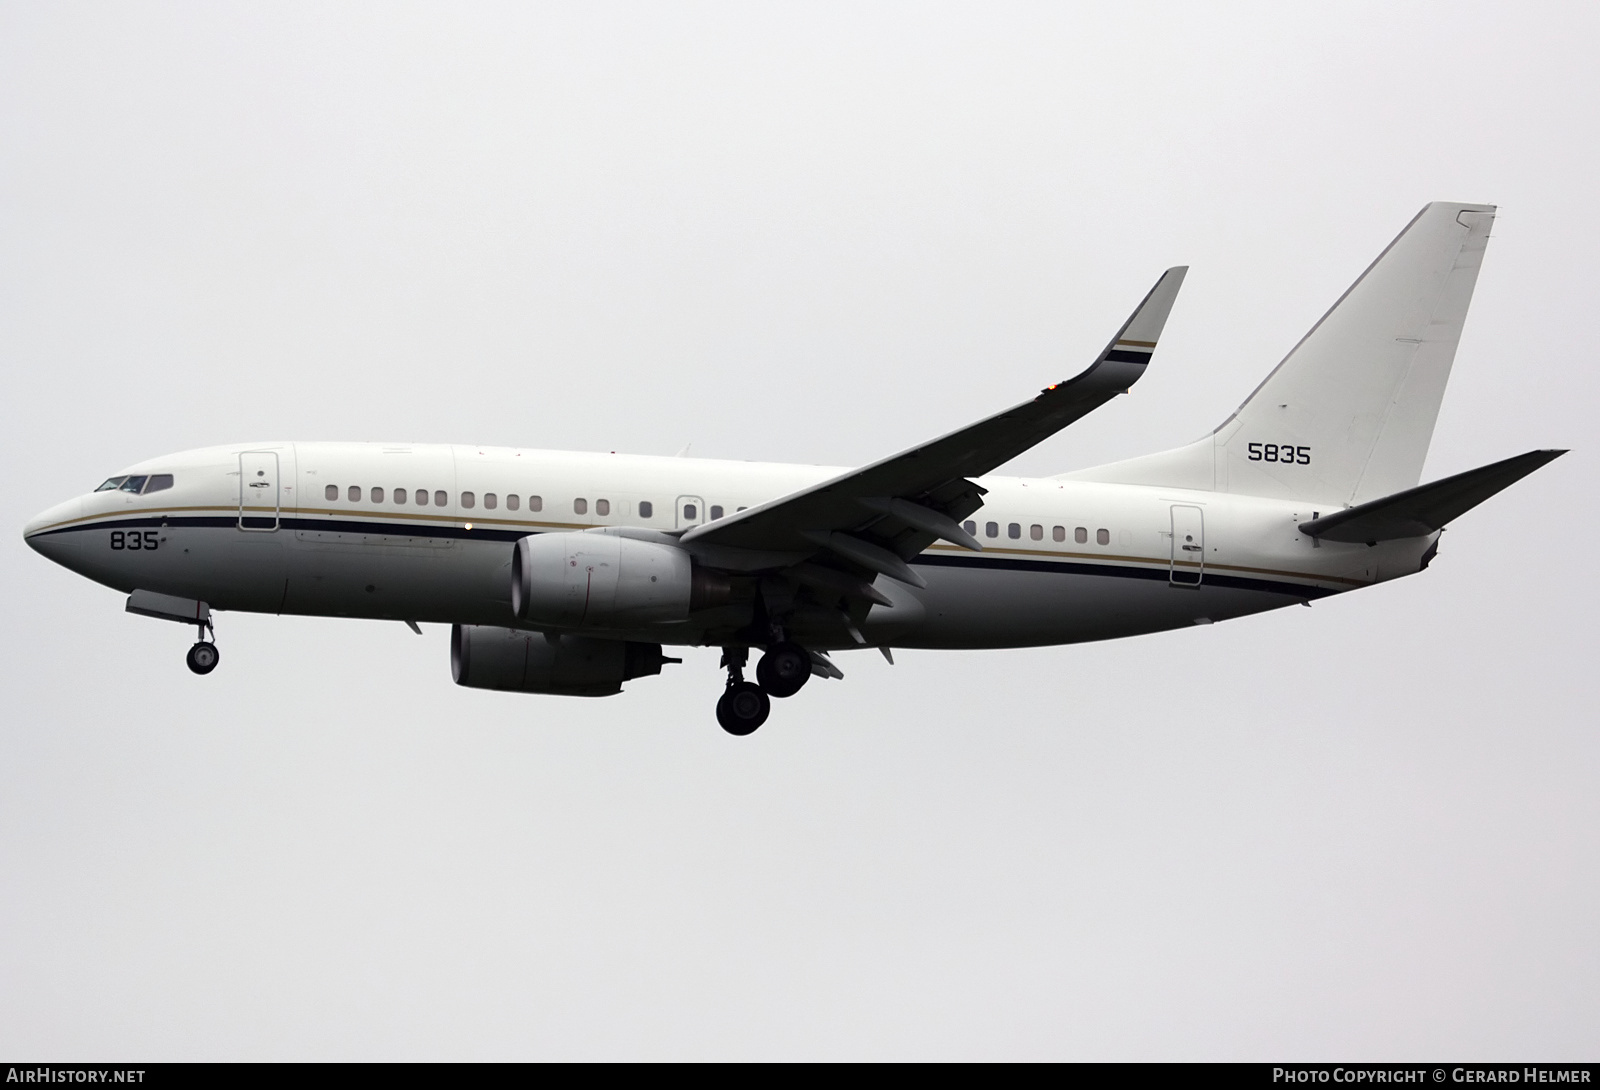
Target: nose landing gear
203, 656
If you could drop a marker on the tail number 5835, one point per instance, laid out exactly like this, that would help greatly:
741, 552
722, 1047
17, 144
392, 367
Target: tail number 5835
134, 539
1280, 452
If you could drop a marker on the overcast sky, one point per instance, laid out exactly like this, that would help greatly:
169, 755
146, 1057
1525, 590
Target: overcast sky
810, 233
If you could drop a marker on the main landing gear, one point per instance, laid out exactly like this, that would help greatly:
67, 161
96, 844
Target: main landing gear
743, 706
203, 656
784, 669
781, 672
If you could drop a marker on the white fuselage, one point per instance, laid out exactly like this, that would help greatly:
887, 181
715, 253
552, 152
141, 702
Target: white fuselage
301, 528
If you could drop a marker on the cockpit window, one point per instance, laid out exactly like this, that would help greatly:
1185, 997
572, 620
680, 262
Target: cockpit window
154, 482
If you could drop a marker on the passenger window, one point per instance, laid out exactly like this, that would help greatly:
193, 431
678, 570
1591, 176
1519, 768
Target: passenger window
441, 499
490, 501
377, 493
355, 493
1058, 533
580, 506
158, 483
602, 507
422, 497
716, 512
536, 503
399, 495
132, 484
646, 509
1081, 536
1014, 530
111, 484
991, 529
970, 527
1036, 532
331, 492
691, 512
513, 502
744, 509
468, 500
1102, 537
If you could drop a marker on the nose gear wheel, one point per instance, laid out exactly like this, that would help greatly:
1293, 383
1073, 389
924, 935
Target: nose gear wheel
202, 657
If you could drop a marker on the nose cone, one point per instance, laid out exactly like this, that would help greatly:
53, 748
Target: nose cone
47, 533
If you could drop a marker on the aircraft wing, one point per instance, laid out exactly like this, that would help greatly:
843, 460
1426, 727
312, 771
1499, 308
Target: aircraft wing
885, 513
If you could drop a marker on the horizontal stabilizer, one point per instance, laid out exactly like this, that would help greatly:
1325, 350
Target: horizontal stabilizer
1426, 508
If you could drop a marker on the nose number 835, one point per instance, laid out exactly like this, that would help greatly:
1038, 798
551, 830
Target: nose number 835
134, 539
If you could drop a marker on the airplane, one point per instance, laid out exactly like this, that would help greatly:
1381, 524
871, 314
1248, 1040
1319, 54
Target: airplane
568, 573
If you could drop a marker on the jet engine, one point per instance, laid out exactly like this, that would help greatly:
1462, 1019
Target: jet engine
600, 580
509, 659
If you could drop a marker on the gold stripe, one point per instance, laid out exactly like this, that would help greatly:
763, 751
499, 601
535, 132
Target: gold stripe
128, 514
233, 509
515, 524
1141, 344
1147, 560
408, 516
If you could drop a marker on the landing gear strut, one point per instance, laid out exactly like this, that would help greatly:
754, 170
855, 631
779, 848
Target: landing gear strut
784, 669
743, 706
203, 656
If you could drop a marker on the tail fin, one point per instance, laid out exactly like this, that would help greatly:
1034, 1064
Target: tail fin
1348, 414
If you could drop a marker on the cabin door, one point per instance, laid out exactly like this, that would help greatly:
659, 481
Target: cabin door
1188, 546
258, 490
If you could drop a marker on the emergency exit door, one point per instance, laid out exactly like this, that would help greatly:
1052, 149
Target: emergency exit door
691, 511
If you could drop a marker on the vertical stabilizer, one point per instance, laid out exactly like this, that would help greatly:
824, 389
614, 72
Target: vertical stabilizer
1348, 415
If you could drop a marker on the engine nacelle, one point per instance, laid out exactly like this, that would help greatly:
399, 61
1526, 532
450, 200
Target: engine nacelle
511, 660
582, 579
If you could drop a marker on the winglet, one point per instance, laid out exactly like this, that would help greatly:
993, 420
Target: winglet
1136, 341
933, 479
